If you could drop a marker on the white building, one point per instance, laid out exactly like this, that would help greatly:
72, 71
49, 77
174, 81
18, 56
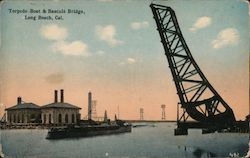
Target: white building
60, 112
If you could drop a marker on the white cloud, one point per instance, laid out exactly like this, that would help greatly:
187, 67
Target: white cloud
54, 32
75, 48
128, 61
200, 23
60, 45
228, 36
131, 60
107, 34
139, 25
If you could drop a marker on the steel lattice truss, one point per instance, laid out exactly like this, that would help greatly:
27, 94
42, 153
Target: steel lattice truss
197, 96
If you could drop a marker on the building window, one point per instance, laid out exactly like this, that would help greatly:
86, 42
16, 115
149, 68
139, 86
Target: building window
18, 118
66, 118
60, 118
39, 120
33, 118
14, 118
22, 118
10, 118
28, 118
44, 118
78, 117
49, 118
73, 118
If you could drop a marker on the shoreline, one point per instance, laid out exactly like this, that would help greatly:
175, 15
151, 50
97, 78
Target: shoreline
148, 121
42, 126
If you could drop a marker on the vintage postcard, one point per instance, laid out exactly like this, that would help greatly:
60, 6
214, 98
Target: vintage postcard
124, 78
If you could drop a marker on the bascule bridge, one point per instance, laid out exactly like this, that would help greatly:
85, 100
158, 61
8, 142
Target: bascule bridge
199, 100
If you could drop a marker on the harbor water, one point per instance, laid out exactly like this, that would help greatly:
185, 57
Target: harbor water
154, 140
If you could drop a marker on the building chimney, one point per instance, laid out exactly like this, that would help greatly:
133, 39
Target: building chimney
19, 100
89, 105
56, 96
62, 96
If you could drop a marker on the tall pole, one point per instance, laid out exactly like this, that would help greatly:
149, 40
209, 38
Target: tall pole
89, 105
141, 114
163, 117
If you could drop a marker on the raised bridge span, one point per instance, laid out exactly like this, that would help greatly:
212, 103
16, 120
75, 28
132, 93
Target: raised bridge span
198, 98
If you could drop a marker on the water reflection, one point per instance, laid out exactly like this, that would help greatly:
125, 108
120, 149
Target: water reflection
196, 152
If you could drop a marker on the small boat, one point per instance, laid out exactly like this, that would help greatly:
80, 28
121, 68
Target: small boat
143, 125
89, 130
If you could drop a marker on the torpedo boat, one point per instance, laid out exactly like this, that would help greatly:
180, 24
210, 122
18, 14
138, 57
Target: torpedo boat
89, 130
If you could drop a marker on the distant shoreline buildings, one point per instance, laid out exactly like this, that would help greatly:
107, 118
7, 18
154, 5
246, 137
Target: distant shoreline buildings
52, 114
56, 113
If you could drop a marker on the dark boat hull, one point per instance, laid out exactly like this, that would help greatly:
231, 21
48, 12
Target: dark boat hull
77, 132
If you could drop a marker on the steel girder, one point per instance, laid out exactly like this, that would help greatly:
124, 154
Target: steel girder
198, 98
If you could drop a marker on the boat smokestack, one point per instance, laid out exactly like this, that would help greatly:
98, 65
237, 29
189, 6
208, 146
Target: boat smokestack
19, 100
56, 97
89, 105
62, 96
